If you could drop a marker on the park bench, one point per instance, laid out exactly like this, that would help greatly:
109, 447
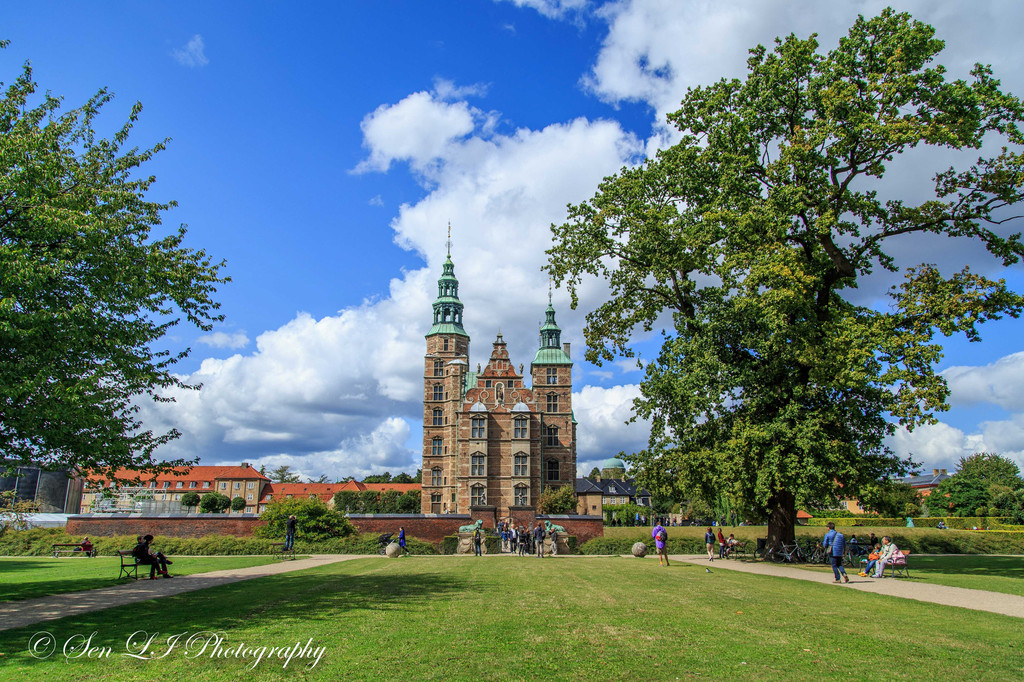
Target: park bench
129, 566
71, 549
278, 548
898, 564
739, 548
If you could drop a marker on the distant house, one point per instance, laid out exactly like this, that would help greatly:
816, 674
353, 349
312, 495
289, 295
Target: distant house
610, 488
924, 484
161, 493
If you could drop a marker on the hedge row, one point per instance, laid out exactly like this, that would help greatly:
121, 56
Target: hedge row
39, 542
957, 522
919, 540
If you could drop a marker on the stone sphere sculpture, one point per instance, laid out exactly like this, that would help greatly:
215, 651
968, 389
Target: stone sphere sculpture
639, 550
393, 550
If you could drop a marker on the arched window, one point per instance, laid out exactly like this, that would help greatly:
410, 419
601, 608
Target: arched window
521, 428
478, 429
552, 436
522, 496
551, 470
522, 466
477, 496
435, 479
438, 417
476, 466
552, 402
435, 446
438, 392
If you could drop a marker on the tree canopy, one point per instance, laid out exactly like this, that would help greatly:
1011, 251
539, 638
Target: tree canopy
977, 483
747, 240
88, 290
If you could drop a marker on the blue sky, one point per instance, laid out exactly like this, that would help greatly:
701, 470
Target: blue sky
322, 148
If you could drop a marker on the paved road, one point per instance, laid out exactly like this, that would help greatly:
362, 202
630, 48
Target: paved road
979, 600
28, 611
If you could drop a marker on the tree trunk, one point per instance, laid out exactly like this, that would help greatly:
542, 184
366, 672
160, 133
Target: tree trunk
782, 519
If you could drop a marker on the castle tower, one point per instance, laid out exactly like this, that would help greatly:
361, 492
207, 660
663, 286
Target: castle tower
444, 373
551, 370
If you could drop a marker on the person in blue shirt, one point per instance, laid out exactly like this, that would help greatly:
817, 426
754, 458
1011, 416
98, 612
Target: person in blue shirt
401, 540
837, 542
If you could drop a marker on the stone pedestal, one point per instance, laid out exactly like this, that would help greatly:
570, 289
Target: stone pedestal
466, 544
563, 545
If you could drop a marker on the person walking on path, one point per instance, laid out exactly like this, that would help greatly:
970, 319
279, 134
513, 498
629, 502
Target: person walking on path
660, 540
401, 540
709, 540
538, 539
478, 538
837, 541
289, 533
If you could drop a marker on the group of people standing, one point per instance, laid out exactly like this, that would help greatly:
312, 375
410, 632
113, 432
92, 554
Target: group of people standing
520, 539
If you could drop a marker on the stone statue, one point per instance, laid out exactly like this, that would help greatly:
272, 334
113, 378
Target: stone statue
500, 393
479, 525
553, 528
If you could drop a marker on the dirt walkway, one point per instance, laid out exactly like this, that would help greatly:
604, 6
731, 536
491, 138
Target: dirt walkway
979, 600
18, 614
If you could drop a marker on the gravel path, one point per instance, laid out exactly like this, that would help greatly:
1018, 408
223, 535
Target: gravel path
18, 614
979, 600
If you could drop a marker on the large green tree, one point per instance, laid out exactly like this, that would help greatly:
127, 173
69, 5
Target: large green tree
978, 480
88, 288
746, 242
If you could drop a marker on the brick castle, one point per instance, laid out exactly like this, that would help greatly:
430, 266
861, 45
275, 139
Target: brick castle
490, 443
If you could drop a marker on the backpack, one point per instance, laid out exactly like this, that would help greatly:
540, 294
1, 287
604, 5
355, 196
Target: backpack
662, 536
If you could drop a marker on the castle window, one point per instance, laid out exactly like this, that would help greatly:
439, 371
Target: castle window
438, 392
435, 503
552, 375
522, 467
476, 467
487, 383
477, 497
444, 344
552, 402
522, 496
438, 368
552, 436
435, 478
521, 428
438, 418
478, 429
435, 446
551, 470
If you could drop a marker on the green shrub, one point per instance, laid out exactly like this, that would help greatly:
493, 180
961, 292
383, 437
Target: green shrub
237, 503
961, 522
315, 520
39, 541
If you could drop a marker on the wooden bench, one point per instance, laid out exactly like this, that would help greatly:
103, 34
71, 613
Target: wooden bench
129, 566
738, 548
71, 549
278, 548
898, 564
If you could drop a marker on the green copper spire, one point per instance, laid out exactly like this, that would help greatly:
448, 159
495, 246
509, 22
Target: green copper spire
550, 351
447, 306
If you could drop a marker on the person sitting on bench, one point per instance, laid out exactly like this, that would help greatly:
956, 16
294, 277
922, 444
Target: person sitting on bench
85, 546
146, 558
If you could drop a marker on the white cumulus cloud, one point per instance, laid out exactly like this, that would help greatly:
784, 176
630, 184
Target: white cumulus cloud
225, 340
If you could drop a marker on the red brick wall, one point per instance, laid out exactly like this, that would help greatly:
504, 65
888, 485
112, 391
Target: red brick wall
427, 528
583, 527
175, 527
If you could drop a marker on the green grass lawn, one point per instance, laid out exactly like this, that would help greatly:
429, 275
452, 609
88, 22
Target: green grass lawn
510, 618
27, 577
993, 573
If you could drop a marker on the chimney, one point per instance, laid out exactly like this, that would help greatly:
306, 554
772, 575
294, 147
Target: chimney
942, 471
245, 465
935, 472
565, 347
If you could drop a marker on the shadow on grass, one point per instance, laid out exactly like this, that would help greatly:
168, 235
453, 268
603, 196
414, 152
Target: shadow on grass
970, 564
303, 602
